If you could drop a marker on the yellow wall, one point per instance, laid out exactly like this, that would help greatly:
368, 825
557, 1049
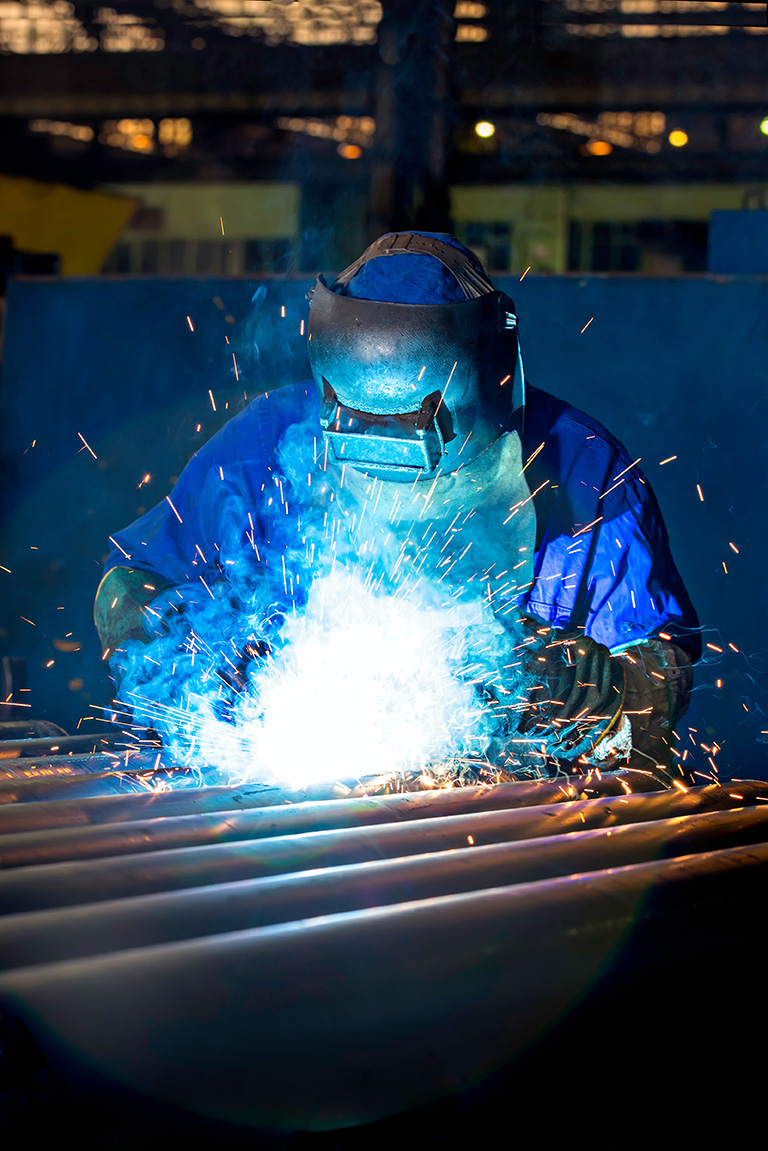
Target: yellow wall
263, 210
81, 226
541, 215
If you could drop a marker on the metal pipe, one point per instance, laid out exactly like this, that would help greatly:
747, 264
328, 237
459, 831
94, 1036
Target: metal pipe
56, 845
346, 1018
21, 815
34, 887
84, 744
148, 920
82, 776
12, 729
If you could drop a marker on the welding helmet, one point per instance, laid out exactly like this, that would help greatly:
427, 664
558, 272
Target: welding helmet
409, 388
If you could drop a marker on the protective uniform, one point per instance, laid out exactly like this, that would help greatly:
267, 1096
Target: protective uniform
611, 632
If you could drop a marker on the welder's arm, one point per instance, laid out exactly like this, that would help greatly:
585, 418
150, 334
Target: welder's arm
122, 604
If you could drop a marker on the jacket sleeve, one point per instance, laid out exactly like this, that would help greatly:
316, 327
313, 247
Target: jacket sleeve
178, 543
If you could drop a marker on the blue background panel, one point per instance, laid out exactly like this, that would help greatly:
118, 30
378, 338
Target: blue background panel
738, 242
673, 367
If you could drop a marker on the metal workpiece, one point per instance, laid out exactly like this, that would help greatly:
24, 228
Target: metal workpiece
34, 886
59, 845
50, 936
346, 1018
82, 776
63, 744
20, 814
292, 960
17, 773
26, 729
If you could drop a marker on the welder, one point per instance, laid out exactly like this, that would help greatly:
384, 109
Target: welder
419, 384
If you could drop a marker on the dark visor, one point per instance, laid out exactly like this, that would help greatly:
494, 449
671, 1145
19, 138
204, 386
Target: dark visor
405, 443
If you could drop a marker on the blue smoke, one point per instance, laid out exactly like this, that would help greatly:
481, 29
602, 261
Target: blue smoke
324, 641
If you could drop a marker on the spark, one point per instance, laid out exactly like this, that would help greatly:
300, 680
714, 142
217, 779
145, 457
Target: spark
221, 224
213, 402
112, 540
88, 446
532, 457
525, 273
445, 389
701, 494
733, 548
589, 321
668, 460
191, 325
173, 509
628, 468
234, 361
586, 529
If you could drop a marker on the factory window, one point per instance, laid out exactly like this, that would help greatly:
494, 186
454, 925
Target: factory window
655, 247
150, 258
266, 255
492, 242
211, 257
119, 262
636, 19
178, 257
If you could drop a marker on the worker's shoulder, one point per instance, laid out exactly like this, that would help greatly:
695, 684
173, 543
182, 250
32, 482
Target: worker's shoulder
253, 433
561, 427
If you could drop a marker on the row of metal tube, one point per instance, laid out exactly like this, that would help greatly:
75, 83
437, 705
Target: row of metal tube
348, 1017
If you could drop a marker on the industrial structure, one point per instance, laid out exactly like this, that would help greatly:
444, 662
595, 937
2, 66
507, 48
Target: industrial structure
573, 135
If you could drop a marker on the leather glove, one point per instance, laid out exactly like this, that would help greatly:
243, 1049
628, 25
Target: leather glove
234, 674
575, 690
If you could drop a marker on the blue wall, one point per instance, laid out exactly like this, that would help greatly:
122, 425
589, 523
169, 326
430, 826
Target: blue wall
674, 367
738, 242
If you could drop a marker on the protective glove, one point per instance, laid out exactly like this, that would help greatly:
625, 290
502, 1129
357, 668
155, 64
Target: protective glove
234, 673
575, 691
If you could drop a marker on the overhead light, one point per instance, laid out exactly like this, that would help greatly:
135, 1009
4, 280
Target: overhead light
599, 148
764, 126
678, 139
485, 129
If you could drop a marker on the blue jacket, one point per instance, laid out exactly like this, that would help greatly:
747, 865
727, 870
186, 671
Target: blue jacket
602, 558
